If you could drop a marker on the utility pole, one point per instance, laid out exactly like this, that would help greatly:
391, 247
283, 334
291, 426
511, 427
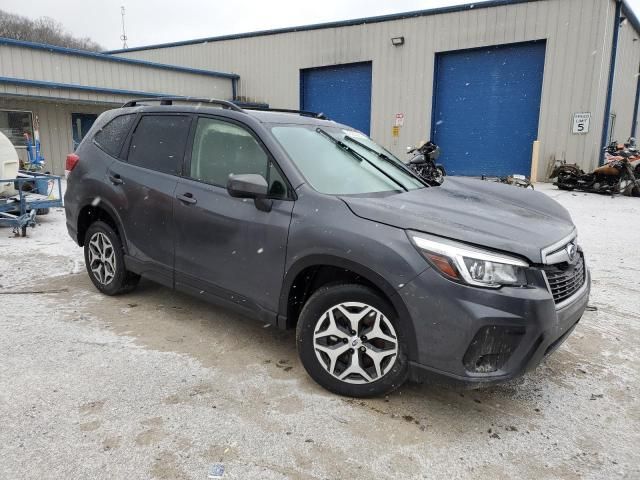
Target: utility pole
123, 37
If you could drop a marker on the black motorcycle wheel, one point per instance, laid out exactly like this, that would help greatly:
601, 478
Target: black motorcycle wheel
566, 181
629, 188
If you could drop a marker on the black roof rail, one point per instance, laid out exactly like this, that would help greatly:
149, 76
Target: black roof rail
305, 113
170, 100
246, 105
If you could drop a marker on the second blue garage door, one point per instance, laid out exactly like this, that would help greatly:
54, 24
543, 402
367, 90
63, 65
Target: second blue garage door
341, 92
486, 108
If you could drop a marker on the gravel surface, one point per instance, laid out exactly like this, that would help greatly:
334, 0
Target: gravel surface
156, 384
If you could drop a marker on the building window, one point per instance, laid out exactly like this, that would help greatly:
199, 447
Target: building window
14, 124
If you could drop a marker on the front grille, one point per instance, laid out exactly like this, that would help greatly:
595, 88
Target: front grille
565, 279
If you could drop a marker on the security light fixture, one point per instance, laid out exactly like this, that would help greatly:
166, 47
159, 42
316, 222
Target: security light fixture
397, 41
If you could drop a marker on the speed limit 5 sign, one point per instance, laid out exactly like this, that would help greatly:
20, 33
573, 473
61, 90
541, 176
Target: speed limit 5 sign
581, 122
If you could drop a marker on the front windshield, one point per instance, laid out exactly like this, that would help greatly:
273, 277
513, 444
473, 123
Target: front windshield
333, 170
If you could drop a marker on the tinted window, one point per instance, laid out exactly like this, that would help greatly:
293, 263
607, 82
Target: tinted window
221, 149
111, 136
158, 142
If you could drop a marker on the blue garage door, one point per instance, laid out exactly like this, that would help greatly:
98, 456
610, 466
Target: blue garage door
486, 108
341, 92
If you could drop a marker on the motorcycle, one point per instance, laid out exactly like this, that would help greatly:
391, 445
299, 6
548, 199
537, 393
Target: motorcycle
619, 174
424, 163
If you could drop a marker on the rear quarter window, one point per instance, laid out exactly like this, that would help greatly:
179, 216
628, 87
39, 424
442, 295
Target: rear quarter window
111, 137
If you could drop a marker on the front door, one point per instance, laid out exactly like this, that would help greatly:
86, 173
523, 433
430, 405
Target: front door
226, 248
145, 187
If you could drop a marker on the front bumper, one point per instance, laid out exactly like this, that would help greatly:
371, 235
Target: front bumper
474, 336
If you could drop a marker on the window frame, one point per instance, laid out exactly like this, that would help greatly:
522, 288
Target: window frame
186, 171
31, 124
126, 146
118, 156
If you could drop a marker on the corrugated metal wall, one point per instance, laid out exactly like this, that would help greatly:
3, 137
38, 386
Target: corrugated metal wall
35, 64
625, 81
578, 34
23, 66
56, 136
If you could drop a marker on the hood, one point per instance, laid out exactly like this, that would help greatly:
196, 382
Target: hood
488, 214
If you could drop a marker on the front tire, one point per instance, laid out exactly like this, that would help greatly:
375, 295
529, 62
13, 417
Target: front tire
350, 341
104, 259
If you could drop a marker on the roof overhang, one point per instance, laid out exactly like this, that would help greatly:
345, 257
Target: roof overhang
110, 58
627, 11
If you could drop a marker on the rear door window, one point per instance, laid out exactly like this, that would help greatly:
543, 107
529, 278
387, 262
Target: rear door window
158, 143
112, 135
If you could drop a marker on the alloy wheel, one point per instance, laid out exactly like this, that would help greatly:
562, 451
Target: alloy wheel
102, 258
355, 343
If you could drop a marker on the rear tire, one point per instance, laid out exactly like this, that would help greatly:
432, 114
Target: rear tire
630, 189
350, 341
104, 259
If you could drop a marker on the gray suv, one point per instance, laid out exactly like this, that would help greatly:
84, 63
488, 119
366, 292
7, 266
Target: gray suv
304, 223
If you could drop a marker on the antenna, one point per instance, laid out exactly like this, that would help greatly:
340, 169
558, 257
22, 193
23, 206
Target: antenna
123, 37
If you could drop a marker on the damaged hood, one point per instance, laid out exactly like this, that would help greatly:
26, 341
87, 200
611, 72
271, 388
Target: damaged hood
489, 214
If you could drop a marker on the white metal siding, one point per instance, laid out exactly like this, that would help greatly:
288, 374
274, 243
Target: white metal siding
578, 34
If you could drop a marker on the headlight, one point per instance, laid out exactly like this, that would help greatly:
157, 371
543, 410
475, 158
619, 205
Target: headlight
467, 264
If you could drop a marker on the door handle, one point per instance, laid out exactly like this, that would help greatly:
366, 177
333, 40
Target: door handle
116, 179
187, 198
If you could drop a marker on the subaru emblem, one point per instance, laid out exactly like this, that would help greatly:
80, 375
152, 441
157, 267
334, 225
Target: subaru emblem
571, 251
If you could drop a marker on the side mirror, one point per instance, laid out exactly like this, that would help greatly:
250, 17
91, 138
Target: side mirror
250, 185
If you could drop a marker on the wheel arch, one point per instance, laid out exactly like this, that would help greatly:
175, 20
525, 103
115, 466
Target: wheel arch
91, 213
290, 306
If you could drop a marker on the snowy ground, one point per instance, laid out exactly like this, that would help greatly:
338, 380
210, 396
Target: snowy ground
156, 384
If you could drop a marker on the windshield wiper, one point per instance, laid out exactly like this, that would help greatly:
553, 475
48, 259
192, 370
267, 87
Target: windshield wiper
387, 159
358, 156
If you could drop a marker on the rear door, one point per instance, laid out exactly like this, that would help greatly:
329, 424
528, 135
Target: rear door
146, 184
225, 247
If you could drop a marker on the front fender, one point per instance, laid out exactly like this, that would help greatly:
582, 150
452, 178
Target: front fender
376, 279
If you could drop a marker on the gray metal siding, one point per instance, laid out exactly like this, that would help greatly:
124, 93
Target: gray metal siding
625, 81
24, 63
578, 34
56, 136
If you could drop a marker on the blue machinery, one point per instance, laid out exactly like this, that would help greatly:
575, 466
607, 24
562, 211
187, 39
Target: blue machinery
35, 192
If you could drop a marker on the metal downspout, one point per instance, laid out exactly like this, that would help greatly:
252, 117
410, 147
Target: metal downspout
612, 69
634, 123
